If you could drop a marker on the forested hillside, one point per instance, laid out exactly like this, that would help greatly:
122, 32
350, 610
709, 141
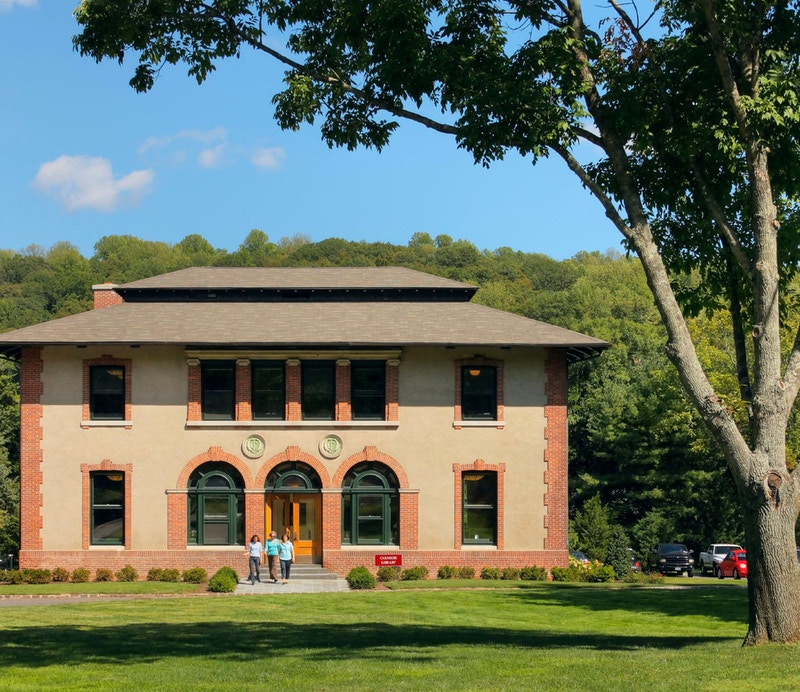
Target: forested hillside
636, 443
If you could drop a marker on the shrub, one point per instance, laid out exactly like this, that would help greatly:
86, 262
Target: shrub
173, 575
491, 573
447, 572
414, 573
361, 578
223, 581
14, 576
103, 574
387, 573
80, 575
533, 573
127, 573
3, 575
643, 578
37, 576
194, 575
155, 574
466, 573
60, 574
571, 573
599, 573
510, 573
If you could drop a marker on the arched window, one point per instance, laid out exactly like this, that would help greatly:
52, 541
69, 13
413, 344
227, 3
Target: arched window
293, 477
216, 505
370, 506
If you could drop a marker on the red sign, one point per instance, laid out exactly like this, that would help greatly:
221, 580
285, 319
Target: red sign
392, 560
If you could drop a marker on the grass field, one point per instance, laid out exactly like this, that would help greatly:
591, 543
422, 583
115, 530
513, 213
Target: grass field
541, 637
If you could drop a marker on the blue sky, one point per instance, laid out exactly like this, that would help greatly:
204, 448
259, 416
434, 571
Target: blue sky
82, 156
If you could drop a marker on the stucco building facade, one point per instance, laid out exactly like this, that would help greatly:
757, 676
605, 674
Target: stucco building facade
366, 411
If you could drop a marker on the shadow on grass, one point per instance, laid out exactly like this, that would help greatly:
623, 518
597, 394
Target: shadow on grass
723, 604
38, 646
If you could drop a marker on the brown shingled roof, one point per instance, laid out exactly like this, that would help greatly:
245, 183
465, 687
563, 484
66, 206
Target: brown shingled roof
304, 324
294, 277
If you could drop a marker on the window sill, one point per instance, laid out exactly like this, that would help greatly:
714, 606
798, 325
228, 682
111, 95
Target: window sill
499, 424
107, 547
192, 546
106, 424
294, 424
478, 546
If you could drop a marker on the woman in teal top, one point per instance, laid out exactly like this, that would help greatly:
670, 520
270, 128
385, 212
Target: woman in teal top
272, 546
286, 554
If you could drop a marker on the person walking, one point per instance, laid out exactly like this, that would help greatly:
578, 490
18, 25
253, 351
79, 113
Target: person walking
272, 545
286, 553
254, 551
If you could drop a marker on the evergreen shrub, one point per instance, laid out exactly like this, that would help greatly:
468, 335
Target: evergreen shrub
491, 573
103, 574
414, 573
37, 576
194, 575
361, 578
466, 572
60, 574
447, 572
387, 573
533, 573
80, 575
127, 573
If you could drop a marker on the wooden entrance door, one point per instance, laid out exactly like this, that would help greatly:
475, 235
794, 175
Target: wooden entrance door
300, 516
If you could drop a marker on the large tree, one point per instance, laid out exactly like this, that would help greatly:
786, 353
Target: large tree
682, 123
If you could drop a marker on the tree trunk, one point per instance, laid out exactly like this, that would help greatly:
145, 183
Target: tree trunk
773, 571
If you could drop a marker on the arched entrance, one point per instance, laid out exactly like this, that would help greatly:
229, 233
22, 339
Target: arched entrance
293, 505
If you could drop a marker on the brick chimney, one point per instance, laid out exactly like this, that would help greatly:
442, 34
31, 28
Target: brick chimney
105, 295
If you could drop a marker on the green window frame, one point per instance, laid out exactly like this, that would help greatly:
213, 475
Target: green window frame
479, 508
318, 395
215, 506
368, 389
479, 392
370, 506
268, 390
107, 516
107, 392
218, 386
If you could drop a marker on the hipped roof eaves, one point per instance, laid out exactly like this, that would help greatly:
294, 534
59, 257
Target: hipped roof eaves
277, 325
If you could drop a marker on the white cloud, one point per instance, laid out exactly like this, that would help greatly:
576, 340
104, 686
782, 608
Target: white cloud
8, 5
87, 182
217, 135
268, 157
211, 158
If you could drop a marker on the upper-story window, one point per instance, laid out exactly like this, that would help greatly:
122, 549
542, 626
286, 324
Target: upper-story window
479, 392
318, 397
368, 389
269, 390
218, 389
107, 392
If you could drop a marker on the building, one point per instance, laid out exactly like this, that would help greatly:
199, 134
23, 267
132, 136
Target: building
371, 412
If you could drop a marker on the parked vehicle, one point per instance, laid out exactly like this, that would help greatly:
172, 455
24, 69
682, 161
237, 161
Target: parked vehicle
579, 556
674, 558
636, 566
733, 565
713, 555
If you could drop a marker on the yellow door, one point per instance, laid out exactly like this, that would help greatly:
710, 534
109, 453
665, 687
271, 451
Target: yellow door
299, 516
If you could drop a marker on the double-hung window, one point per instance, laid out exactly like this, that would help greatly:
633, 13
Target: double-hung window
269, 390
107, 518
107, 392
318, 397
479, 392
218, 389
479, 510
368, 389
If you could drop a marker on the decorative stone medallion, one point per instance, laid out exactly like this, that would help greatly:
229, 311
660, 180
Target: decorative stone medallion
330, 446
253, 446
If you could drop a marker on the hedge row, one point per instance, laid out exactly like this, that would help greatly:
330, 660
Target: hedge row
81, 575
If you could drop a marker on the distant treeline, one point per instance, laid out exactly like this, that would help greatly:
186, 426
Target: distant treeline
635, 443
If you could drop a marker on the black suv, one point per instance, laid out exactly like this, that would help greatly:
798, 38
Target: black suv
674, 558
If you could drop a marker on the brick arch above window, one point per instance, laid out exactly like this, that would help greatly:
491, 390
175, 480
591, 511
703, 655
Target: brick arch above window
293, 454
370, 454
215, 454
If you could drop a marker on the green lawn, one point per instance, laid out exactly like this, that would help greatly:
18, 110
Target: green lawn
542, 637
